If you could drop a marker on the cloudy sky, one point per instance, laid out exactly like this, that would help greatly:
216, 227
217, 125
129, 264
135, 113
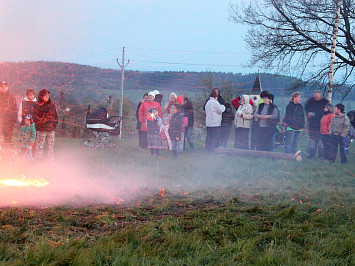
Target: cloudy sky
157, 35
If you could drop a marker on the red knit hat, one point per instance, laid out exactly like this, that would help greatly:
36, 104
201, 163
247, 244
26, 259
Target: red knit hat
180, 99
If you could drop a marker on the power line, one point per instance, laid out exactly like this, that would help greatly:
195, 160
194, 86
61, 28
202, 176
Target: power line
179, 63
185, 51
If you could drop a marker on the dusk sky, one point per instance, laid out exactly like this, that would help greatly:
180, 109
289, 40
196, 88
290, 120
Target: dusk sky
157, 35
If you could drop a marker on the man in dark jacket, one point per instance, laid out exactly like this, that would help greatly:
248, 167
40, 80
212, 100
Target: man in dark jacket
226, 124
188, 110
8, 113
314, 108
293, 123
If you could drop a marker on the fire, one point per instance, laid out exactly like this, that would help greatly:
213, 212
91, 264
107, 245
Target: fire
162, 192
24, 182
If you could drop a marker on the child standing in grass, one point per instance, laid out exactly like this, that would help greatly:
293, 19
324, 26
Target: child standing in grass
338, 129
175, 128
153, 131
27, 137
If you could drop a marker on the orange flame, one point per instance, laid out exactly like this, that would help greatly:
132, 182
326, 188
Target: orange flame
162, 192
23, 182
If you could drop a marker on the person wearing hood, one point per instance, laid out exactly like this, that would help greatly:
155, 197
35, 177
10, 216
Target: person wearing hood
338, 129
293, 123
266, 113
214, 112
169, 106
8, 111
324, 129
26, 106
45, 117
27, 137
242, 122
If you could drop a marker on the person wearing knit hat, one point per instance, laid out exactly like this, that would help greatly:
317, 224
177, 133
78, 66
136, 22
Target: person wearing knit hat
180, 99
156, 92
143, 112
151, 93
168, 106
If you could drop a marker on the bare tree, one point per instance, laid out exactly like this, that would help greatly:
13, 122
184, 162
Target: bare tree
298, 34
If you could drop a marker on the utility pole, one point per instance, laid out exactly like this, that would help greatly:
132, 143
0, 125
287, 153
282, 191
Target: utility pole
123, 65
332, 53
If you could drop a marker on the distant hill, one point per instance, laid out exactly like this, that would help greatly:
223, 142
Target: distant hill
80, 82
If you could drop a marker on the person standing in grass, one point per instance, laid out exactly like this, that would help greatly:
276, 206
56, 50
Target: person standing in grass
45, 117
8, 112
27, 137
143, 113
189, 114
324, 129
214, 112
154, 123
314, 109
175, 127
266, 113
338, 129
142, 138
226, 125
293, 123
242, 121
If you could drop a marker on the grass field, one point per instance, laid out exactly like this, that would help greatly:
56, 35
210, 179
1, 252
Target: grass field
125, 207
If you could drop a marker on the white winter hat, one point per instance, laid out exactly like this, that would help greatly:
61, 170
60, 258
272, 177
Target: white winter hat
151, 93
156, 92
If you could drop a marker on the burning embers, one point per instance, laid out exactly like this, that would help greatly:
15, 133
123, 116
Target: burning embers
24, 182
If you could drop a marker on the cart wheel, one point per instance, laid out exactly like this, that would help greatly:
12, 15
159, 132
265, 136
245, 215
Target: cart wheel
86, 143
113, 144
100, 144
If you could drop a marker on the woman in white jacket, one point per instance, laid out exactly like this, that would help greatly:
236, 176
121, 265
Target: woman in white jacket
214, 112
242, 122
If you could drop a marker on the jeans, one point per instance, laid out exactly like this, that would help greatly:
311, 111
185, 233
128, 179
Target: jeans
212, 141
315, 140
335, 142
291, 141
327, 146
188, 136
175, 147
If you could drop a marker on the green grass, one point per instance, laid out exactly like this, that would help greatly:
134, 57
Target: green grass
217, 210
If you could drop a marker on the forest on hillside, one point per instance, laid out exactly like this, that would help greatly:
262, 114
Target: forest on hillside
80, 83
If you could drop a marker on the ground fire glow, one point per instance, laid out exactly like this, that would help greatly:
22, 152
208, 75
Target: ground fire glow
24, 182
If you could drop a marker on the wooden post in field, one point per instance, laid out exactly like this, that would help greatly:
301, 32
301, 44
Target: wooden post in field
122, 84
266, 154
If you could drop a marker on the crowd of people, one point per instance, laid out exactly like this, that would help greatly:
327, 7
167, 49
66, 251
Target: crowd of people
169, 126
256, 124
164, 127
38, 119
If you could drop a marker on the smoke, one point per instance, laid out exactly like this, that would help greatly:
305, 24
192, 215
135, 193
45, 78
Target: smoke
71, 182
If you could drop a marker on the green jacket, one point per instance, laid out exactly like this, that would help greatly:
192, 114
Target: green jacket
27, 134
339, 126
